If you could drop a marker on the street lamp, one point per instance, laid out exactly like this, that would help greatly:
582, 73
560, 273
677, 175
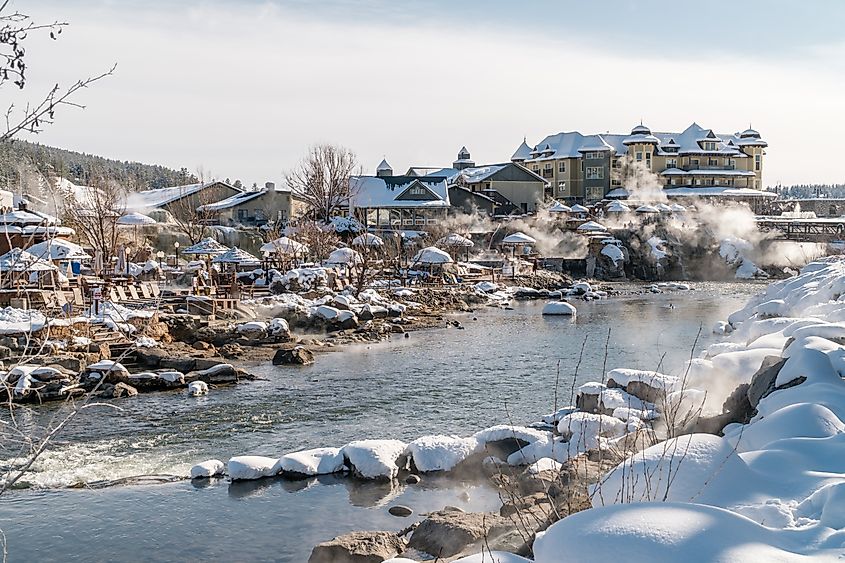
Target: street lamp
176, 246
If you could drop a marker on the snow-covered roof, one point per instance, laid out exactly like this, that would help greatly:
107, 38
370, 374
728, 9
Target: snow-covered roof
21, 217
383, 166
595, 143
58, 249
571, 144
522, 152
431, 255
151, 199
379, 192
344, 256
206, 246
136, 219
236, 256
617, 193
19, 260
232, 201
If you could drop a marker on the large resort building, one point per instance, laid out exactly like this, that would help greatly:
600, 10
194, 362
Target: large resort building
587, 168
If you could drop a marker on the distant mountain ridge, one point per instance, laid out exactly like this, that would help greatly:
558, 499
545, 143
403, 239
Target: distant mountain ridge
22, 162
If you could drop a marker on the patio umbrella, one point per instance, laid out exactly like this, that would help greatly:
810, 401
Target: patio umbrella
236, 256
284, 246
591, 226
207, 246
558, 207
432, 255
647, 209
518, 238
579, 209
617, 206
344, 256
367, 240
455, 240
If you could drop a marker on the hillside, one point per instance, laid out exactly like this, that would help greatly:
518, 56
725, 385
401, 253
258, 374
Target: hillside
22, 163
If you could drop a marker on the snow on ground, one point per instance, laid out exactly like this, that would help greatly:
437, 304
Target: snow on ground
14, 321
769, 490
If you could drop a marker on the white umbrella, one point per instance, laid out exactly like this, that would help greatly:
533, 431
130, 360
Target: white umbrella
19, 260
579, 209
678, 208
617, 207
344, 256
136, 219
432, 255
558, 207
455, 239
236, 256
663, 208
58, 249
206, 246
367, 239
285, 246
647, 209
518, 238
591, 226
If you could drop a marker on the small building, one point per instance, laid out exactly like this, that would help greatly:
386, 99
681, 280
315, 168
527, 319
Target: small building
385, 201
255, 208
511, 187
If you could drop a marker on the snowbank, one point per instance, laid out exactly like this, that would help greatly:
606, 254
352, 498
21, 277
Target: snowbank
374, 459
319, 461
440, 453
210, 468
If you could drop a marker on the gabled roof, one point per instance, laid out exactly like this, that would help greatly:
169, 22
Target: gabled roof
522, 152
383, 192
383, 166
152, 199
477, 174
572, 143
232, 201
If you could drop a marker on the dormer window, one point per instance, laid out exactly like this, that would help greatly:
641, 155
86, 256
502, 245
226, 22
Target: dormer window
417, 190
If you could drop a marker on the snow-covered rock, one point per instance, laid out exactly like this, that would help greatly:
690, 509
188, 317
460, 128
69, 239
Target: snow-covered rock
318, 461
249, 467
197, 388
374, 459
210, 468
559, 308
440, 453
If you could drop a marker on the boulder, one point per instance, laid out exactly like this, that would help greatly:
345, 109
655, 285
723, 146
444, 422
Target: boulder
358, 547
206, 469
249, 467
231, 350
299, 355
202, 345
763, 382
217, 375
184, 365
5, 352
150, 357
400, 511
447, 533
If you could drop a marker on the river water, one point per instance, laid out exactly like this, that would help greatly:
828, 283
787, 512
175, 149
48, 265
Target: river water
501, 368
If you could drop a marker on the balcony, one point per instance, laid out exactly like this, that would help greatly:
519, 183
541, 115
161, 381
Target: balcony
689, 167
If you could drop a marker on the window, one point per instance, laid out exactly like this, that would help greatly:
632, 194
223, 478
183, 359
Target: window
671, 163
712, 162
548, 166
595, 173
535, 168
561, 166
595, 155
709, 146
757, 161
242, 213
694, 162
639, 156
648, 160
595, 193
730, 163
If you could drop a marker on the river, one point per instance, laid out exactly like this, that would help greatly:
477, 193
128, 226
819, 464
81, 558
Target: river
502, 367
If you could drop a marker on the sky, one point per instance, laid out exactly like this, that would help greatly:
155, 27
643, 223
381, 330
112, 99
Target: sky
241, 89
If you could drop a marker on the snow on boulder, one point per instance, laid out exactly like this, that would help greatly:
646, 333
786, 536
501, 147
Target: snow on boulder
106, 366
502, 432
440, 453
206, 469
487, 286
484, 557
802, 420
278, 327
197, 388
327, 313
655, 380
559, 308
614, 253
666, 531
253, 329
374, 459
692, 468
544, 464
318, 461
585, 430
248, 467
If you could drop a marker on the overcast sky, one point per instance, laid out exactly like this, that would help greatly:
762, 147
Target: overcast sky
242, 88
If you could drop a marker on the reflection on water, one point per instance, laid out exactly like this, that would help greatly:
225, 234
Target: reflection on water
502, 367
